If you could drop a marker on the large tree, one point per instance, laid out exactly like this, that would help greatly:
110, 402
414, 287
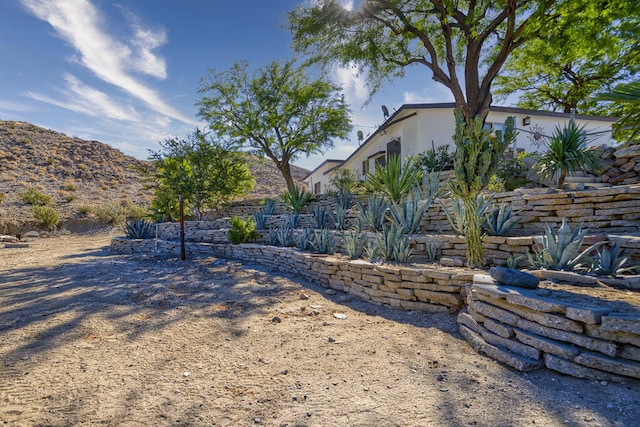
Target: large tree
277, 111
463, 43
593, 45
205, 172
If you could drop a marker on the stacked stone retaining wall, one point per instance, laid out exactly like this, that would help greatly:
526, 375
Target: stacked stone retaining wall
527, 329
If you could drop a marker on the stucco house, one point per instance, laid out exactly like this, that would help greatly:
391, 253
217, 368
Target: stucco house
414, 128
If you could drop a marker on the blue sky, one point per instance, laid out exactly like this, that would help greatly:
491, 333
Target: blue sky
127, 73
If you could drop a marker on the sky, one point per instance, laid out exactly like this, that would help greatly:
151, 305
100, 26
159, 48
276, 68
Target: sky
127, 73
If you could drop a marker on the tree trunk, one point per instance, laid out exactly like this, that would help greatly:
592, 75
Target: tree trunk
472, 232
561, 178
285, 169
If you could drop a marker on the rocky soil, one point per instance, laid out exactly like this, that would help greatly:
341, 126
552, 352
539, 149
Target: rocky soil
91, 338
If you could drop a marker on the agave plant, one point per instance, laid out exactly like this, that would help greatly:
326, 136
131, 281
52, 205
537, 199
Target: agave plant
561, 250
324, 242
567, 152
513, 261
338, 217
498, 221
272, 238
393, 180
268, 207
409, 211
393, 244
372, 217
611, 262
285, 236
260, 219
293, 220
457, 218
320, 215
433, 250
354, 244
138, 229
304, 240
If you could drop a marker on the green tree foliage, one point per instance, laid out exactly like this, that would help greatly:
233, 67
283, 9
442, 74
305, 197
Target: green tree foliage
593, 45
204, 172
478, 155
277, 111
567, 151
627, 97
448, 37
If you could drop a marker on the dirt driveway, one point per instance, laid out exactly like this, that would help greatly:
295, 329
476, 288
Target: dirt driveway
91, 338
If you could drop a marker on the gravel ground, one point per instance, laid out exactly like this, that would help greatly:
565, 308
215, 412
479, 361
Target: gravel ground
91, 338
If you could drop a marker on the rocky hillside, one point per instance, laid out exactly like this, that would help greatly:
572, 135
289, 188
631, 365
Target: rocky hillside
82, 175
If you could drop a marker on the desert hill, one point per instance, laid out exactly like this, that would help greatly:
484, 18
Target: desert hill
83, 175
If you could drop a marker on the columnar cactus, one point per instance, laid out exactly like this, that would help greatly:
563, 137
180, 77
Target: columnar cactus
478, 155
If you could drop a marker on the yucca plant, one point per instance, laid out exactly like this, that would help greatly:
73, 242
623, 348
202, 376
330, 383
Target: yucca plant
373, 216
393, 244
354, 244
324, 242
304, 240
561, 250
408, 212
478, 155
320, 215
457, 215
392, 179
138, 229
611, 262
498, 221
297, 198
567, 152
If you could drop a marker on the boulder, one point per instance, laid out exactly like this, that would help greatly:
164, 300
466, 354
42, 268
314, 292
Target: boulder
511, 277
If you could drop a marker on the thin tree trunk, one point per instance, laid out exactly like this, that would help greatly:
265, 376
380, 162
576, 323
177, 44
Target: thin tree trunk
473, 233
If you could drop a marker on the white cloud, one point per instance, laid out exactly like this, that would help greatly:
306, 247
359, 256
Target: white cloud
13, 106
353, 83
79, 23
435, 94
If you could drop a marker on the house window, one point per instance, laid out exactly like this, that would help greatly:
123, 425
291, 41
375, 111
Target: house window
494, 127
316, 188
381, 161
365, 167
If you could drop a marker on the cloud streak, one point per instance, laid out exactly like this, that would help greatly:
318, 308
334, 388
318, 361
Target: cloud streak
79, 23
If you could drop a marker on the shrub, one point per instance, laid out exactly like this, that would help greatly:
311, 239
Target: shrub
112, 213
138, 229
242, 231
85, 210
435, 159
46, 216
31, 196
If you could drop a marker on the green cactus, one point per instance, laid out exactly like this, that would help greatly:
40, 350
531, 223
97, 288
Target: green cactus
478, 155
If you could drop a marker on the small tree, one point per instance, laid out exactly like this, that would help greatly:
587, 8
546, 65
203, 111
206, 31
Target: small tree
478, 155
567, 151
203, 171
277, 112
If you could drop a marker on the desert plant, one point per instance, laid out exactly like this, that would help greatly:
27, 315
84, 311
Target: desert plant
32, 196
304, 240
285, 236
409, 211
498, 221
136, 211
561, 250
324, 242
393, 244
429, 189
513, 260
433, 250
138, 229
567, 152
46, 216
338, 217
457, 215
242, 231
296, 198
272, 238
435, 159
354, 243
612, 262
112, 213
320, 215
268, 207
478, 155
372, 252
85, 210
392, 179
260, 219
293, 220
372, 217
